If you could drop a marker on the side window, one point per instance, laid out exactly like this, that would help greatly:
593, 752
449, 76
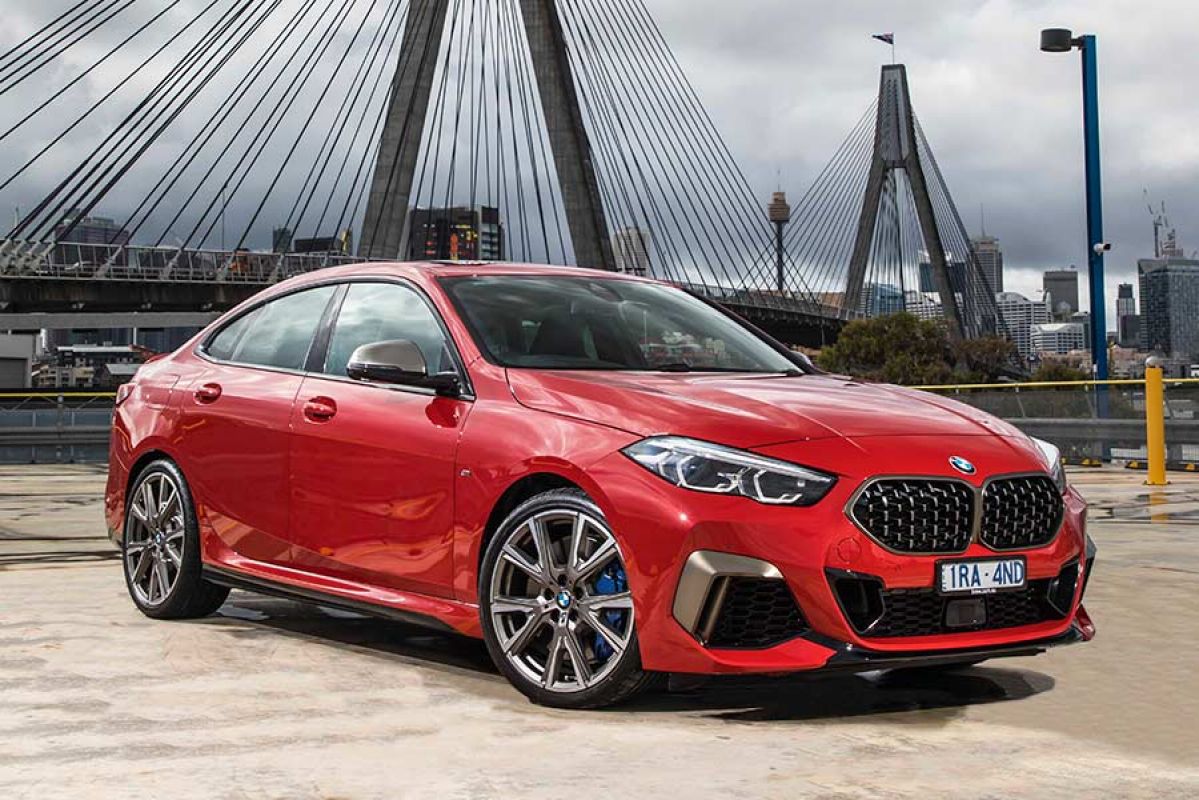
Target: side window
278, 334
225, 343
378, 312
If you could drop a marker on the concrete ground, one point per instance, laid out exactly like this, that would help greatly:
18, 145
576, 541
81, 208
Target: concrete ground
271, 699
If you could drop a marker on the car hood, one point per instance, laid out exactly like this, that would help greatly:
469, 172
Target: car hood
748, 410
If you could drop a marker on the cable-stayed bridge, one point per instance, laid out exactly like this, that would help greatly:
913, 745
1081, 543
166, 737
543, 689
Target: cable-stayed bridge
210, 127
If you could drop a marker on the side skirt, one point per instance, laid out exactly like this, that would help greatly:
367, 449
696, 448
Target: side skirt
237, 580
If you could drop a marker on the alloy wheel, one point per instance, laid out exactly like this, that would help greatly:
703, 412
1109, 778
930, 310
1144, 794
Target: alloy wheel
154, 539
559, 600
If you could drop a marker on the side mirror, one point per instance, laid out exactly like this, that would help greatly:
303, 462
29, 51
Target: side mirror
401, 362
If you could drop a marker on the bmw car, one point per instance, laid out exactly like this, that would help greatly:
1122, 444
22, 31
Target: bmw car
606, 479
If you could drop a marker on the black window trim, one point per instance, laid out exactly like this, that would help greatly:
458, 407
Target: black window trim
319, 346
201, 349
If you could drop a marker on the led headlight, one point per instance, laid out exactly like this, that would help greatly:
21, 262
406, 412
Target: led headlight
1053, 462
704, 467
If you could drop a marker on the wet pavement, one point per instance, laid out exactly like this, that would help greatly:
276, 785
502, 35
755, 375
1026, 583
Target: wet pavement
272, 699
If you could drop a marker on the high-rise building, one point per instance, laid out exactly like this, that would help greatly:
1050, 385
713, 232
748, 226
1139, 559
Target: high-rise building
281, 240
78, 229
1059, 338
456, 234
1061, 292
1019, 315
881, 299
631, 247
990, 261
1169, 306
1127, 323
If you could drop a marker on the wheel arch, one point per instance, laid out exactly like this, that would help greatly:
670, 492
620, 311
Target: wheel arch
518, 492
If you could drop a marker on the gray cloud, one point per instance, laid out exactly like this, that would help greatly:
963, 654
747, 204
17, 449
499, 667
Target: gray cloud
786, 80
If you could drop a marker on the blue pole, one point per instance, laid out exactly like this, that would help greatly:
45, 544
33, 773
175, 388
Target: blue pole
1090, 116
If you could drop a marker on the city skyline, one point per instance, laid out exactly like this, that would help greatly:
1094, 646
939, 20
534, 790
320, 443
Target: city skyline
1030, 185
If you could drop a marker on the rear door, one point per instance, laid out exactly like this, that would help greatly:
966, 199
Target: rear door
373, 465
235, 423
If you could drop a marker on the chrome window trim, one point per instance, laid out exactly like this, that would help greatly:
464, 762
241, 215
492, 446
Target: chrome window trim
979, 493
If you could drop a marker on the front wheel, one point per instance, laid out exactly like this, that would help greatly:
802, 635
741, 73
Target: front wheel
161, 548
556, 610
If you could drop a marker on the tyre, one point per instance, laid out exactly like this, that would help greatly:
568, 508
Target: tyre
160, 550
555, 605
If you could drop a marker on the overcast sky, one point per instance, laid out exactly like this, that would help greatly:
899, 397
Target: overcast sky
786, 79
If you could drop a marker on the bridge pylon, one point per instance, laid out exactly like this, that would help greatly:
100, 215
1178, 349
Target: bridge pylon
966, 304
385, 228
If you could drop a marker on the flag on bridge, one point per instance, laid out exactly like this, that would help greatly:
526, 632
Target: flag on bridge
889, 38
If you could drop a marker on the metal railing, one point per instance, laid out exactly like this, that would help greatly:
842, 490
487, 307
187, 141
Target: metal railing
1153, 421
58, 426
70, 261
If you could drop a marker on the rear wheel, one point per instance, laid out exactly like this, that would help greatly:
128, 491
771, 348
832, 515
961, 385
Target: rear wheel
556, 609
161, 548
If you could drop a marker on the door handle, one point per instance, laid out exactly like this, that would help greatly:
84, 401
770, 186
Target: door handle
208, 393
320, 409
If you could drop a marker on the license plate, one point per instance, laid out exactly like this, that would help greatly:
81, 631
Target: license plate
981, 577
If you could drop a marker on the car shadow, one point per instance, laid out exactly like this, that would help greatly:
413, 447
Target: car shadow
735, 699
253, 615
839, 696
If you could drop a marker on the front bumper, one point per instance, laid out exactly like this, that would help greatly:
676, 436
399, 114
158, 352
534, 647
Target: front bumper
666, 530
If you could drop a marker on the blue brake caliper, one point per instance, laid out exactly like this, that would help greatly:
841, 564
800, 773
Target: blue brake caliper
611, 581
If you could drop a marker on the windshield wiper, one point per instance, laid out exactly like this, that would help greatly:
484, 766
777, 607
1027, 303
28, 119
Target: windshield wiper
683, 366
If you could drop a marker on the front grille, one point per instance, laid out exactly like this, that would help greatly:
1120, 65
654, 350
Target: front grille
753, 613
1021, 512
917, 515
878, 613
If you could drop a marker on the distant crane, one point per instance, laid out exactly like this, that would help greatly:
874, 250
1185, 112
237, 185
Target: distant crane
1165, 238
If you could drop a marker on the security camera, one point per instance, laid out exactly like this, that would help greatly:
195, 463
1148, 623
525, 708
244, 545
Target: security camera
1102, 247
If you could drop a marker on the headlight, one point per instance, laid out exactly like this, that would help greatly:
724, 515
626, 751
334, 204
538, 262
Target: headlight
704, 467
1053, 462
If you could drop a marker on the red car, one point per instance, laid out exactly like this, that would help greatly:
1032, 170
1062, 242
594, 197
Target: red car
603, 477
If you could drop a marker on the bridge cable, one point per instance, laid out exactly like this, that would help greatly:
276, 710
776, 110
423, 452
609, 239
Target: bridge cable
31, 114
80, 119
129, 123
194, 148
10, 80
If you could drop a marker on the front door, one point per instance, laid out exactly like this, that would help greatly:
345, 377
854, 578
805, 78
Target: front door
372, 465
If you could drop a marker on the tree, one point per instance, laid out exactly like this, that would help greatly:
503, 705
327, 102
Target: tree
901, 348
897, 348
1055, 371
985, 359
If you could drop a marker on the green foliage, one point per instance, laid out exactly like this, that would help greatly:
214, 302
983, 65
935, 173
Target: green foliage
1056, 371
901, 348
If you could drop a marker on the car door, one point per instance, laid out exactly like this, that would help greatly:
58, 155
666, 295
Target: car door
372, 465
235, 422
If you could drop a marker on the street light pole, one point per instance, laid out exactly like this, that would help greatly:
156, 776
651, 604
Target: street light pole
1059, 40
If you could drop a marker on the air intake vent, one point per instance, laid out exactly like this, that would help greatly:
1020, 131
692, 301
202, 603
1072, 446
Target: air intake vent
753, 613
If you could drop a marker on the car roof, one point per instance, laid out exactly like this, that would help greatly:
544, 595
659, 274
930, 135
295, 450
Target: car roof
440, 269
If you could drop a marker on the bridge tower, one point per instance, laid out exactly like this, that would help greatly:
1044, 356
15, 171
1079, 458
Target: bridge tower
895, 148
385, 226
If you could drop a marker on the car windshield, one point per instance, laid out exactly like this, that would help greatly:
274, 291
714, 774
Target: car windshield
558, 322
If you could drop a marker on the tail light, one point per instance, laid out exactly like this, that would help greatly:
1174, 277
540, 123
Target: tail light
123, 392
